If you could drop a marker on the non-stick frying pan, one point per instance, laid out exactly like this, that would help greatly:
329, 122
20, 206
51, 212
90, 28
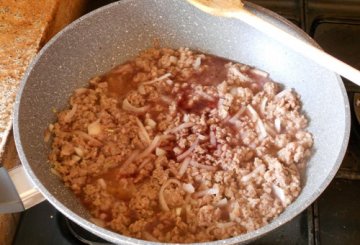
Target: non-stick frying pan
117, 32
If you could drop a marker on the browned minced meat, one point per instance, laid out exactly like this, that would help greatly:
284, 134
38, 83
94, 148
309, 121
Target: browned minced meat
179, 146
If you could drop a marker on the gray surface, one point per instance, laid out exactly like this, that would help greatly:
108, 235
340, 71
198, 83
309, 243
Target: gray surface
10, 201
116, 33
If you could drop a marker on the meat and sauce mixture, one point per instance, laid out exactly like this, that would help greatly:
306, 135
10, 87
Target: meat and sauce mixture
181, 146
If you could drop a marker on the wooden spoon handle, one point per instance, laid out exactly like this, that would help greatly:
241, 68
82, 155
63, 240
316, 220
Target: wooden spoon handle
299, 46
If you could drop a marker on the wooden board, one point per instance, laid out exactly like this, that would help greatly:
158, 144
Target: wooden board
25, 26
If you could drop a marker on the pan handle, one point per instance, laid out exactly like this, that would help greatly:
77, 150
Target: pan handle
17, 192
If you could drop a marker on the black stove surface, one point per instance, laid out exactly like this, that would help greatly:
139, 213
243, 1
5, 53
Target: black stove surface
332, 219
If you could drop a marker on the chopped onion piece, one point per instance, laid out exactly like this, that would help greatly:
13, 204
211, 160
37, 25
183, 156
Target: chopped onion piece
225, 225
141, 89
237, 123
155, 143
178, 211
252, 174
130, 159
166, 99
212, 138
70, 114
178, 128
188, 151
51, 127
197, 63
262, 130
282, 93
247, 177
277, 124
222, 202
79, 151
184, 166
203, 166
75, 158
143, 134
205, 95
144, 137
160, 152
54, 171
279, 193
47, 136
259, 72
146, 161
211, 191
167, 75
94, 128
162, 201
233, 215
270, 130
254, 115
189, 188
237, 114
202, 137
186, 118
169, 82
128, 107
263, 105
151, 123
177, 150
260, 124
87, 136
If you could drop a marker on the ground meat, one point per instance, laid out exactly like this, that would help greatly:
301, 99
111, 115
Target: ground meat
178, 146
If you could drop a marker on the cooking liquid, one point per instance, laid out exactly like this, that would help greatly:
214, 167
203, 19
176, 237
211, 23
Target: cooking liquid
120, 83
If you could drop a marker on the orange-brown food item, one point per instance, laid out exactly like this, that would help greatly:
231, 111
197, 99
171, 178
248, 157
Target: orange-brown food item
179, 146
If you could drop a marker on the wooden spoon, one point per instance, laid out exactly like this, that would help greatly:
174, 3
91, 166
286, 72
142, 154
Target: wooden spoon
236, 9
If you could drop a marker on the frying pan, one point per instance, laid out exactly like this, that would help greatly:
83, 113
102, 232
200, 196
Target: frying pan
117, 32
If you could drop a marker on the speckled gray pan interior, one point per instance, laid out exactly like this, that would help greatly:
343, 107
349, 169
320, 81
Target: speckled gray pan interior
117, 32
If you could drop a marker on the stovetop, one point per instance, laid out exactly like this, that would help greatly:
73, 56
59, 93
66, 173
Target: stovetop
334, 218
